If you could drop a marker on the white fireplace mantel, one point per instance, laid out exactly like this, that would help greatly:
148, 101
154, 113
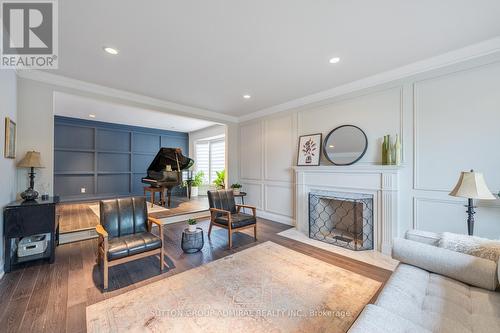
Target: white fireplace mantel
381, 181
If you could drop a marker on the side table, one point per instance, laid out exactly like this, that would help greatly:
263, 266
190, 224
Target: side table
192, 242
28, 218
241, 195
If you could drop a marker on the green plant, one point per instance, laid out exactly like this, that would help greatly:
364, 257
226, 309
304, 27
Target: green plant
191, 222
220, 180
236, 185
198, 179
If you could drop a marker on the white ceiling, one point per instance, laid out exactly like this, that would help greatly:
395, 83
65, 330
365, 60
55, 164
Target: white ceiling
81, 107
207, 54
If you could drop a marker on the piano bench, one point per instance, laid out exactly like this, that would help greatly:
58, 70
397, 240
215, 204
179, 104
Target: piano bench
153, 190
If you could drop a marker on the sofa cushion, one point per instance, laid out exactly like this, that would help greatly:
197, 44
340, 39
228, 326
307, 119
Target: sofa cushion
438, 303
375, 319
421, 236
475, 246
132, 244
465, 268
238, 220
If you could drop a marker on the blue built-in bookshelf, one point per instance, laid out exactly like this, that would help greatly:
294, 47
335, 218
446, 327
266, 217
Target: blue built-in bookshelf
105, 159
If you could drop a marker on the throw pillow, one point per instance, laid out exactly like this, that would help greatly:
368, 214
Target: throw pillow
472, 245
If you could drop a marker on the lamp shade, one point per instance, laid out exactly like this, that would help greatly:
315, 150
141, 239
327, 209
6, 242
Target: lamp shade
472, 185
31, 160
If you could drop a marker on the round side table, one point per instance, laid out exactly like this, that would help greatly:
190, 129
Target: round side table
192, 242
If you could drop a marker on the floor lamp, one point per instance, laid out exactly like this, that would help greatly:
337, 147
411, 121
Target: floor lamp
471, 185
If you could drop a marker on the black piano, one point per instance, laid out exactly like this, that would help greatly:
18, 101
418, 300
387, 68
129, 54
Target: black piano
166, 169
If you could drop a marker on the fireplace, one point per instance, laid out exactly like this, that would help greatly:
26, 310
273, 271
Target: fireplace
342, 219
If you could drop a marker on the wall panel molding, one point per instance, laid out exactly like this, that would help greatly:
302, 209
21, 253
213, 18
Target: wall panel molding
106, 159
283, 191
251, 151
458, 77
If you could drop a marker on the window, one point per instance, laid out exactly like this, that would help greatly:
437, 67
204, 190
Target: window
210, 157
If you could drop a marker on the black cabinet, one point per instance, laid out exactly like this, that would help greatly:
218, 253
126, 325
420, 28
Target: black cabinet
28, 218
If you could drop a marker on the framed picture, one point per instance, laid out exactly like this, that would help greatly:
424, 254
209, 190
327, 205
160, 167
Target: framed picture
10, 138
309, 151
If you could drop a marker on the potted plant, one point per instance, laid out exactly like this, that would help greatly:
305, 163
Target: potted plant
220, 181
236, 188
196, 183
191, 225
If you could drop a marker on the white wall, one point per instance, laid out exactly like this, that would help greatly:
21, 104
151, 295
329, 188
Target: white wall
448, 120
8, 108
35, 131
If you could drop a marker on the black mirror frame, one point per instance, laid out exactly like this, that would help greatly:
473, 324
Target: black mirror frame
342, 164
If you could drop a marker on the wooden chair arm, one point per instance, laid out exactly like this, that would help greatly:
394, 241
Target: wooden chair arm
101, 232
222, 211
151, 221
155, 221
253, 208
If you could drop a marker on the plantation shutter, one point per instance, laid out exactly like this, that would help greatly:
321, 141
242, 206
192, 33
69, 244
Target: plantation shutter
202, 159
217, 158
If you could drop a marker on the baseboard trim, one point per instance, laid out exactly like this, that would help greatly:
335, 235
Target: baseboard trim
76, 236
276, 217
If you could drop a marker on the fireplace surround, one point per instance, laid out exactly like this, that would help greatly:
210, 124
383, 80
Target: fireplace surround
379, 181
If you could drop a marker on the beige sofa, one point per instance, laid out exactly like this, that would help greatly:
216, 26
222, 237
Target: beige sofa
434, 290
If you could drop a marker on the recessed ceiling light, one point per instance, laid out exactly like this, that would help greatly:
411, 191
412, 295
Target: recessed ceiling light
334, 60
110, 50
247, 96
92, 115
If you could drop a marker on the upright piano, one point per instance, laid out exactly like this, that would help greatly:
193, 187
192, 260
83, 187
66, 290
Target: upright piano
166, 170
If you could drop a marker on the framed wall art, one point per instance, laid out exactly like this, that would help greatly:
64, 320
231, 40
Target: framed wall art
309, 151
10, 138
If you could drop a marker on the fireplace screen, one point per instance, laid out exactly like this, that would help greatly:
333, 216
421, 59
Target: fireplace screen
343, 219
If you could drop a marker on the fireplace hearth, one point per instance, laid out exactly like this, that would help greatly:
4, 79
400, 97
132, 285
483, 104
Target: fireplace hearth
342, 219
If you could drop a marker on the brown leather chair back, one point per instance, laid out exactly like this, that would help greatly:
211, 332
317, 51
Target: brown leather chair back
222, 199
124, 216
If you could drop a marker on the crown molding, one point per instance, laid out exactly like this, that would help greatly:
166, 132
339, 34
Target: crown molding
478, 50
66, 82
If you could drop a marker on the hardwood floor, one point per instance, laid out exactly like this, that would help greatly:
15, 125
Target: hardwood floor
53, 298
76, 216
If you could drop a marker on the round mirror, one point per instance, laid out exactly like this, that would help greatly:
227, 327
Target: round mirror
345, 145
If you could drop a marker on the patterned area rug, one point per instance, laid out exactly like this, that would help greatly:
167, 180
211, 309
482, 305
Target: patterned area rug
266, 288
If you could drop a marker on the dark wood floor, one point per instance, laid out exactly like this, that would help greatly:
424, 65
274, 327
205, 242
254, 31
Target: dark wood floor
53, 298
76, 216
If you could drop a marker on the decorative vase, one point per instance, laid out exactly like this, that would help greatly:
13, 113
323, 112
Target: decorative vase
384, 151
236, 191
397, 151
388, 154
194, 191
191, 227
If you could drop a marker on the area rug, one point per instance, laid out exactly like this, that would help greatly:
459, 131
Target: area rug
266, 288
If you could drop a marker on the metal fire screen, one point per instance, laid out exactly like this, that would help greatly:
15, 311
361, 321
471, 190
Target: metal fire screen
342, 219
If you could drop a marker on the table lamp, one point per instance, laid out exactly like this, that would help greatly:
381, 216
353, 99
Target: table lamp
32, 160
471, 185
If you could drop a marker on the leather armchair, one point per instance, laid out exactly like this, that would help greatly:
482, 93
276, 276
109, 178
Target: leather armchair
225, 213
125, 233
